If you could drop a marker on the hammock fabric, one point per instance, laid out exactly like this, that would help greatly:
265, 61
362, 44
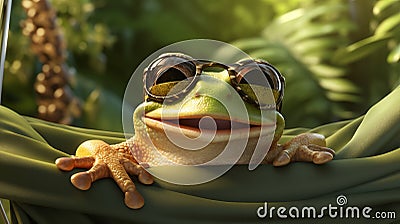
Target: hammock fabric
366, 171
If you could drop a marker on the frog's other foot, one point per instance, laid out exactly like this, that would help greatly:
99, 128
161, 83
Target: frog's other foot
308, 147
104, 161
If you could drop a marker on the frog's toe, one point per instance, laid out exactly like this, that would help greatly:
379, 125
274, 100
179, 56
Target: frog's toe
133, 199
69, 163
284, 158
84, 180
304, 153
133, 168
309, 147
314, 153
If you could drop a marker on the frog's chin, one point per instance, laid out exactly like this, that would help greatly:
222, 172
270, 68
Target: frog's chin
221, 129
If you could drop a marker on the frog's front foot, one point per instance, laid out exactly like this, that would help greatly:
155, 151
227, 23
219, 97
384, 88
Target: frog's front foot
308, 147
104, 160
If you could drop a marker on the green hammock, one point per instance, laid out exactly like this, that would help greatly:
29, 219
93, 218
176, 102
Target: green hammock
366, 171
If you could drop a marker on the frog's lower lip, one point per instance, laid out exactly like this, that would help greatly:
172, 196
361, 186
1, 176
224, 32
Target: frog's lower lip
190, 127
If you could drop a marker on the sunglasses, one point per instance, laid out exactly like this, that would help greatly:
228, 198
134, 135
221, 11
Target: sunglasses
171, 75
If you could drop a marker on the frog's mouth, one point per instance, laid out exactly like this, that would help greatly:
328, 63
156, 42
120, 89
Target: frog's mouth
193, 126
207, 123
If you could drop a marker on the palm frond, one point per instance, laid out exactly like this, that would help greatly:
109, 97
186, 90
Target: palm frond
385, 34
300, 44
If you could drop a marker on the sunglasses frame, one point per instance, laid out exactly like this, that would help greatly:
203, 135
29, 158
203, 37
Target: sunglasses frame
234, 72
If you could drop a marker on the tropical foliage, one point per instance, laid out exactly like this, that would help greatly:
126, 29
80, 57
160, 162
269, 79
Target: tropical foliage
333, 55
300, 43
339, 56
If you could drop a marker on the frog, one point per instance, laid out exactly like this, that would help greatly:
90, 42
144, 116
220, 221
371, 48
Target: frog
173, 78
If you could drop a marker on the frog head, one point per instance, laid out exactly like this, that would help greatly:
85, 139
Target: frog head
207, 104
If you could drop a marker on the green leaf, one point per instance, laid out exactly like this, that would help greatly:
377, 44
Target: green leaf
318, 30
339, 85
388, 24
303, 15
382, 5
310, 46
272, 53
360, 49
327, 71
394, 55
345, 97
251, 43
298, 19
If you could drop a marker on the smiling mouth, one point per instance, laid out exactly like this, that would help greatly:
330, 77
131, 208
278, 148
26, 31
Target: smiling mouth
205, 123
221, 131
209, 123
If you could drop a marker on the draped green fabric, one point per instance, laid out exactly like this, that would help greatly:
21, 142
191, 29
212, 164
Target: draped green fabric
366, 170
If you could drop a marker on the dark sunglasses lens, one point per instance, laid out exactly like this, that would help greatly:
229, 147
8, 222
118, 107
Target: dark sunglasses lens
163, 75
257, 78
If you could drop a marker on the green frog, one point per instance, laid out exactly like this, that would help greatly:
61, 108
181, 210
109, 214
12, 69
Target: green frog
187, 98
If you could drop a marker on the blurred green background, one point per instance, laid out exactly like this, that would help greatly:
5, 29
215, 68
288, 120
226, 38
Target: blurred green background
339, 57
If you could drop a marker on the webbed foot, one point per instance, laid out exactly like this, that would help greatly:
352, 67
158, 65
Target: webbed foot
308, 147
104, 160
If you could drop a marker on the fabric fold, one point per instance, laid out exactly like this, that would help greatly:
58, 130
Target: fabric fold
366, 171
